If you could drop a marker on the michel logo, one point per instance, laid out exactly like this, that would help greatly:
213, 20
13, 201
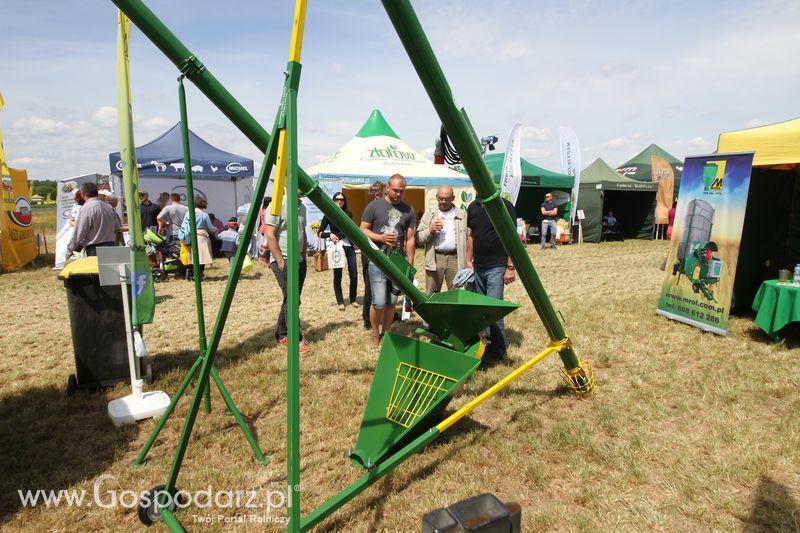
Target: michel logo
714, 176
391, 151
235, 168
21, 215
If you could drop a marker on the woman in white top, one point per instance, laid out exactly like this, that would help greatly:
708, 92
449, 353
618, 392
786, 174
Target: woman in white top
336, 235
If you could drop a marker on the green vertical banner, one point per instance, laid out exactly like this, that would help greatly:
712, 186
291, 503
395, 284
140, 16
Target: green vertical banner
701, 264
143, 302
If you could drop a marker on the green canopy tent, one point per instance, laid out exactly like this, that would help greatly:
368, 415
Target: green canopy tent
536, 181
639, 168
602, 189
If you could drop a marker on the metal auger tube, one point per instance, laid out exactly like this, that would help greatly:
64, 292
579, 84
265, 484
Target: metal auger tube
430, 73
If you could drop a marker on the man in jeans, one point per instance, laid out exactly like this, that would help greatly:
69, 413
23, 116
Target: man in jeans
391, 224
492, 266
549, 212
277, 240
375, 193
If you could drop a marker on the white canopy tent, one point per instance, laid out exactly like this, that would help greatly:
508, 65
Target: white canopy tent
374, 154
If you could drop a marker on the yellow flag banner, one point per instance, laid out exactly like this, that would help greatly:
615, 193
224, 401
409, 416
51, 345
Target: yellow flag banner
5, 175
664, 175
143, 302
17, 241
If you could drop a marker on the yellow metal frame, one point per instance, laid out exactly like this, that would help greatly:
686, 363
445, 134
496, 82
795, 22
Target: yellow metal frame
295, 48
553, 347
414, 391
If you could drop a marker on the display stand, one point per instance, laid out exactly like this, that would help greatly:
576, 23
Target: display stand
112, 263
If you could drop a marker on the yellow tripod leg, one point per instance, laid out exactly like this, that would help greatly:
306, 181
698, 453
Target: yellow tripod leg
280, 176
297, 30
295, 49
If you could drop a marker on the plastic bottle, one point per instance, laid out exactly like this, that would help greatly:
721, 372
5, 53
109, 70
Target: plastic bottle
796, 277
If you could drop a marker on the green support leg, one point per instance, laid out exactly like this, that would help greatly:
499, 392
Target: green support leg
368, 479
140, 459
226, 397
293, 303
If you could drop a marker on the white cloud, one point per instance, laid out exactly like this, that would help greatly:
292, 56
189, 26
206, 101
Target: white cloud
534, 154
105, 116
536, 134
698, 142
39, 125
23, 162
755, 122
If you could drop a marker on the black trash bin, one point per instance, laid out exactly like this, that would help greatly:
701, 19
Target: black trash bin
97, 322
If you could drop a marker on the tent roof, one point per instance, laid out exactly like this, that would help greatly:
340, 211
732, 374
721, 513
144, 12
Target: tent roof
774, 144
638, 167
376, 152
643, 157
599, 173
376, 126
163, 157
532, 176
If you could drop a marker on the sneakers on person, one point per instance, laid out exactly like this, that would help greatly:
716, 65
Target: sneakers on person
355, 304
552, 246
544, 247
341, 307
304, 347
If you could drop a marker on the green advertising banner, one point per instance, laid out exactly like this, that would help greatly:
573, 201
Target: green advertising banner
701, 265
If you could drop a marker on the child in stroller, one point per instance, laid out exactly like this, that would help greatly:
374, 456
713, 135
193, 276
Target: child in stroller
164, 256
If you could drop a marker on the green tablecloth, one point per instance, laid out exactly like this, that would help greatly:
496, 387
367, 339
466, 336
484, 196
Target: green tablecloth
777, 304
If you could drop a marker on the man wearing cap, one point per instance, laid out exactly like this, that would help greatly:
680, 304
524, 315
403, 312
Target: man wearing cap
97, 224
148, 210
171, 217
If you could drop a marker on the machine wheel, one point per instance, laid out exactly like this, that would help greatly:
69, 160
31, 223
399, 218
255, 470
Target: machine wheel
72, 385
159, 275
148, 372
151, 513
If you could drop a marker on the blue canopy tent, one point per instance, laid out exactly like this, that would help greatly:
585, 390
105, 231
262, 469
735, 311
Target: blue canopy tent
222, 178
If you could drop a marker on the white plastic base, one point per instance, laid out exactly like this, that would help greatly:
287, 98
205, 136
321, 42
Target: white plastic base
128, 410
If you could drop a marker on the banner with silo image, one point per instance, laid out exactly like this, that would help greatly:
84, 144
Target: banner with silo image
701, 264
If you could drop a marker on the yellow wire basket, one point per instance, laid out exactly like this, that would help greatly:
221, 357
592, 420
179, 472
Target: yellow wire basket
414, 391
579, 379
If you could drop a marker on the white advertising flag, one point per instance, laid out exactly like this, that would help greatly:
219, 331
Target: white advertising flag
511, 179
571, 162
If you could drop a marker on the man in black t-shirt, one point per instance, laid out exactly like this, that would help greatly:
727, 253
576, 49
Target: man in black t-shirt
148, 210
549, 212
492, 266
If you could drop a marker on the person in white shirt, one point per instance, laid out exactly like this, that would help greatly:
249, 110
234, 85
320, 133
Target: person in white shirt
443, 232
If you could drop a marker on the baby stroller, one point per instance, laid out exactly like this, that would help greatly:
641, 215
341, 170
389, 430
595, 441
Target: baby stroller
164, 257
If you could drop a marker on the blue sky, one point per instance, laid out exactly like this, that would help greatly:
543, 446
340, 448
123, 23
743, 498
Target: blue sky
623, 74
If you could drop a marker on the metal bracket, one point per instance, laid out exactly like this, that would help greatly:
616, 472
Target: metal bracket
191, 66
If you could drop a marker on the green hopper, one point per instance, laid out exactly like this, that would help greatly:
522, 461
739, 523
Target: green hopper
414, 380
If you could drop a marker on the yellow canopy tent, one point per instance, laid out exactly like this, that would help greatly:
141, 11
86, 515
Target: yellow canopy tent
771, 233
776, 145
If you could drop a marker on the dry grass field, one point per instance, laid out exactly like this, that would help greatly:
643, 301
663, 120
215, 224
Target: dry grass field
687, 430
